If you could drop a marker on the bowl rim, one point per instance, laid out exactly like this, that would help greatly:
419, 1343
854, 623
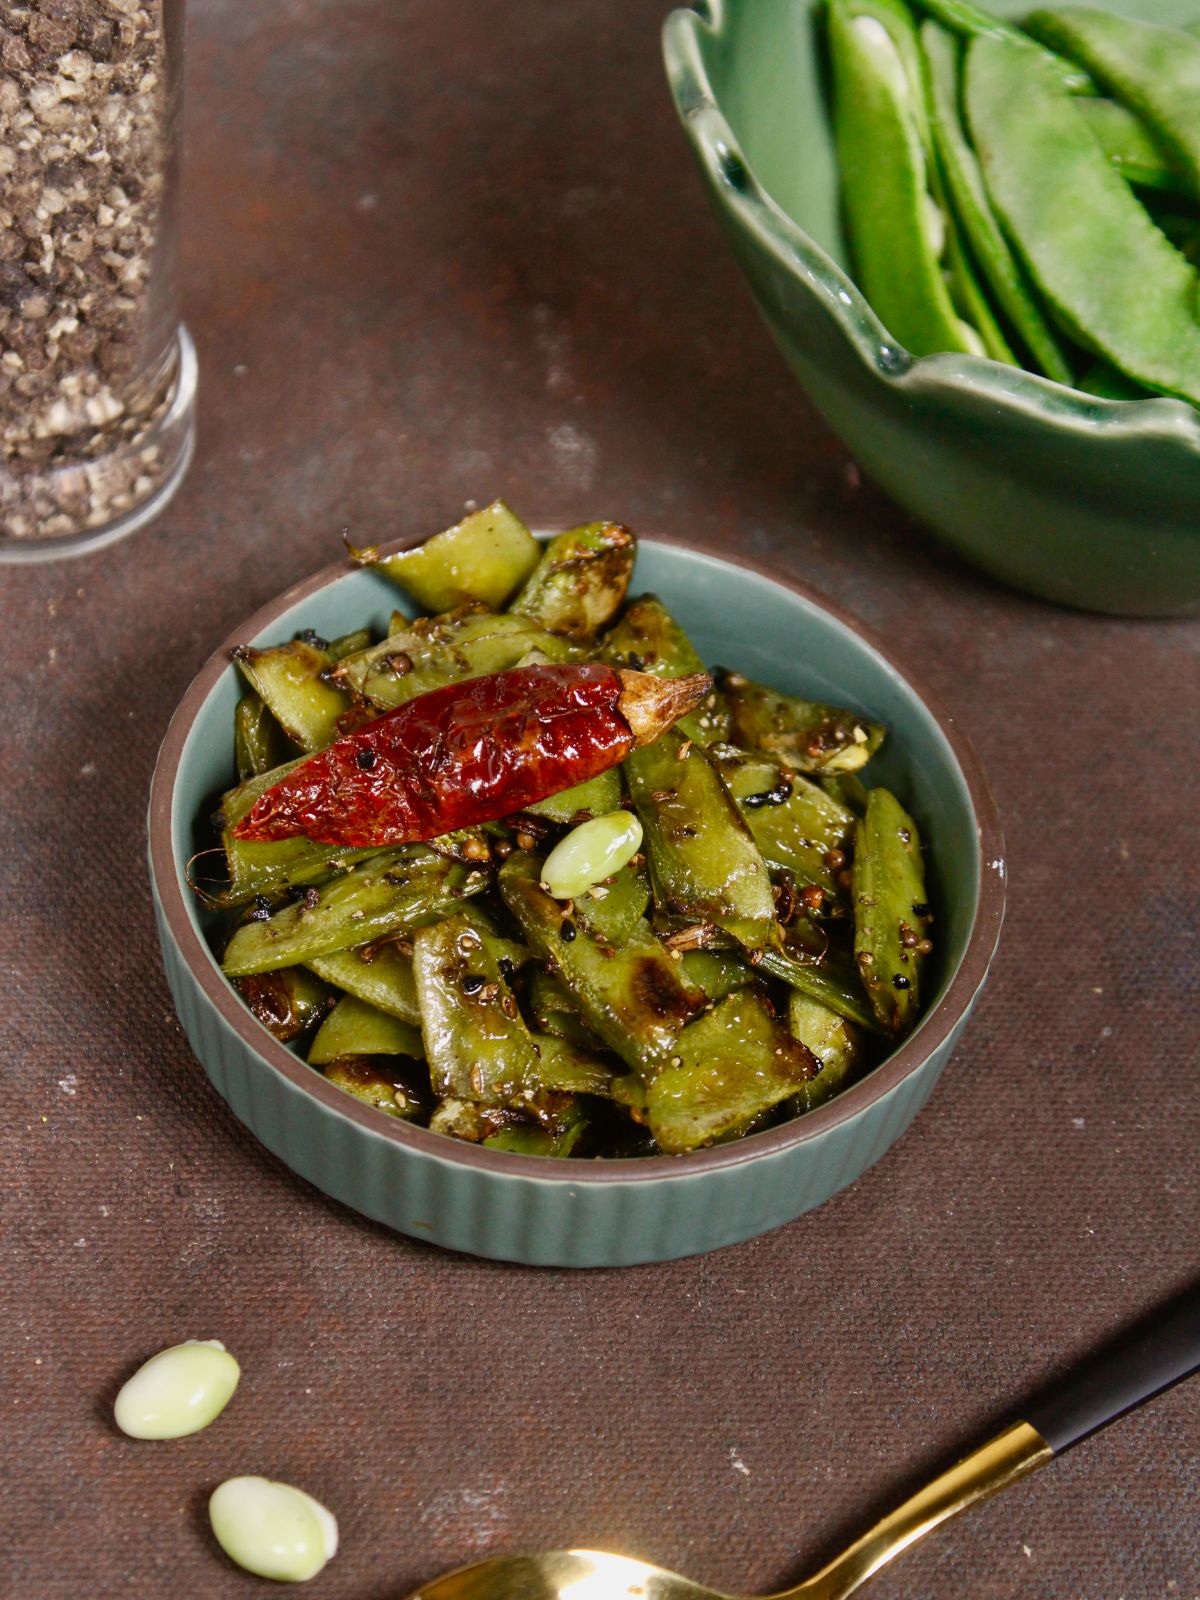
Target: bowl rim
1175, 422
934, 1030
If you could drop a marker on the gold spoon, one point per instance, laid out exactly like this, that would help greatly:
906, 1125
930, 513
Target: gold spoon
1139, 1364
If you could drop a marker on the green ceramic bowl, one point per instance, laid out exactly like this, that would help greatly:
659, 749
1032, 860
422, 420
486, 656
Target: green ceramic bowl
596, 1213
1092, 503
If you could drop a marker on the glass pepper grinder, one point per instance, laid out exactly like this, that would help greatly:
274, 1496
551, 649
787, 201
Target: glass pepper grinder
97, 373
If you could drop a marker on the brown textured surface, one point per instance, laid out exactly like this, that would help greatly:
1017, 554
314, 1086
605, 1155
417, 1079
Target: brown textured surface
450, 249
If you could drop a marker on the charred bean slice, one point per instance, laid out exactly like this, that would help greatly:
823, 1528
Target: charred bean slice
715, 973
581, 581
730, 1066
703, 860
381, 976
292, 680
530, 1139
836, 1043
890, 911
800, 733
476, 1041
555, 1011
354, 1028
613, 909
568, 1068
649, 639
287, 1001
833, 982
259, 743
632, 998
486, 557
798, 827
383, 1082
396, 892
595, 797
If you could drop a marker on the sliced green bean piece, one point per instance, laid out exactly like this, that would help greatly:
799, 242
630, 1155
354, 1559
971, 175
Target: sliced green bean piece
795, 823
259, 743
633, 998
476, 1041
836, 1043
704, 862
879, 128
890, 911
353, 1028
833, 982
730, 1066
964, 183
1109, 273
972, 22
805, 735
580, 583
385, 980
715, 973
396, 892
613, 909
286, 1002
595, 797
348, 644
847, 789
292, 680
528, 1139
382, 1082
554, 1010
466, 1119
1154, 70
1131, 147
569, 1068
648, 639
434, 651
487, 557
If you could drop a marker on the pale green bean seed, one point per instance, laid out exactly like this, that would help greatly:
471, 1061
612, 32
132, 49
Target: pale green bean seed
178, 1391
590, 853
272, 1529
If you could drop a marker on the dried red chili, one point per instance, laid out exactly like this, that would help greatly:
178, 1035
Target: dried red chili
471, 753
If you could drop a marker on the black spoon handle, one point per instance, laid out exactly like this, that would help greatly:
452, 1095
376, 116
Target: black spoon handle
1140, 1362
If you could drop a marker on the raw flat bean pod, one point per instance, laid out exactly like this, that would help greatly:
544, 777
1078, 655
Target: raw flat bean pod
795, 824
612, 910
581, 581
1106, 383
590, 854
1132, 149
470, 753
715, 973
836, 1043
1154, 70
385, 980
476, 1041
354, 1028
1084, 236
287, 1002
879, 126
291, 679
487, 557
968, 296
704, 862
1181, 228
259, 743
595, 798
833, 982
632, 998
437, 651
395, 893
890, 911
964, 184
801, 733
382, 1082
972, 22
648, 639
528, 1139
730, 1066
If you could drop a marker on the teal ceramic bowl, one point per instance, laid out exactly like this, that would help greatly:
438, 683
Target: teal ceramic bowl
594, 1213
1091, 503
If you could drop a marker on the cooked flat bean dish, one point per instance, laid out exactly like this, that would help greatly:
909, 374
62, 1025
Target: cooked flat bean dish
536, 878
1030, 194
